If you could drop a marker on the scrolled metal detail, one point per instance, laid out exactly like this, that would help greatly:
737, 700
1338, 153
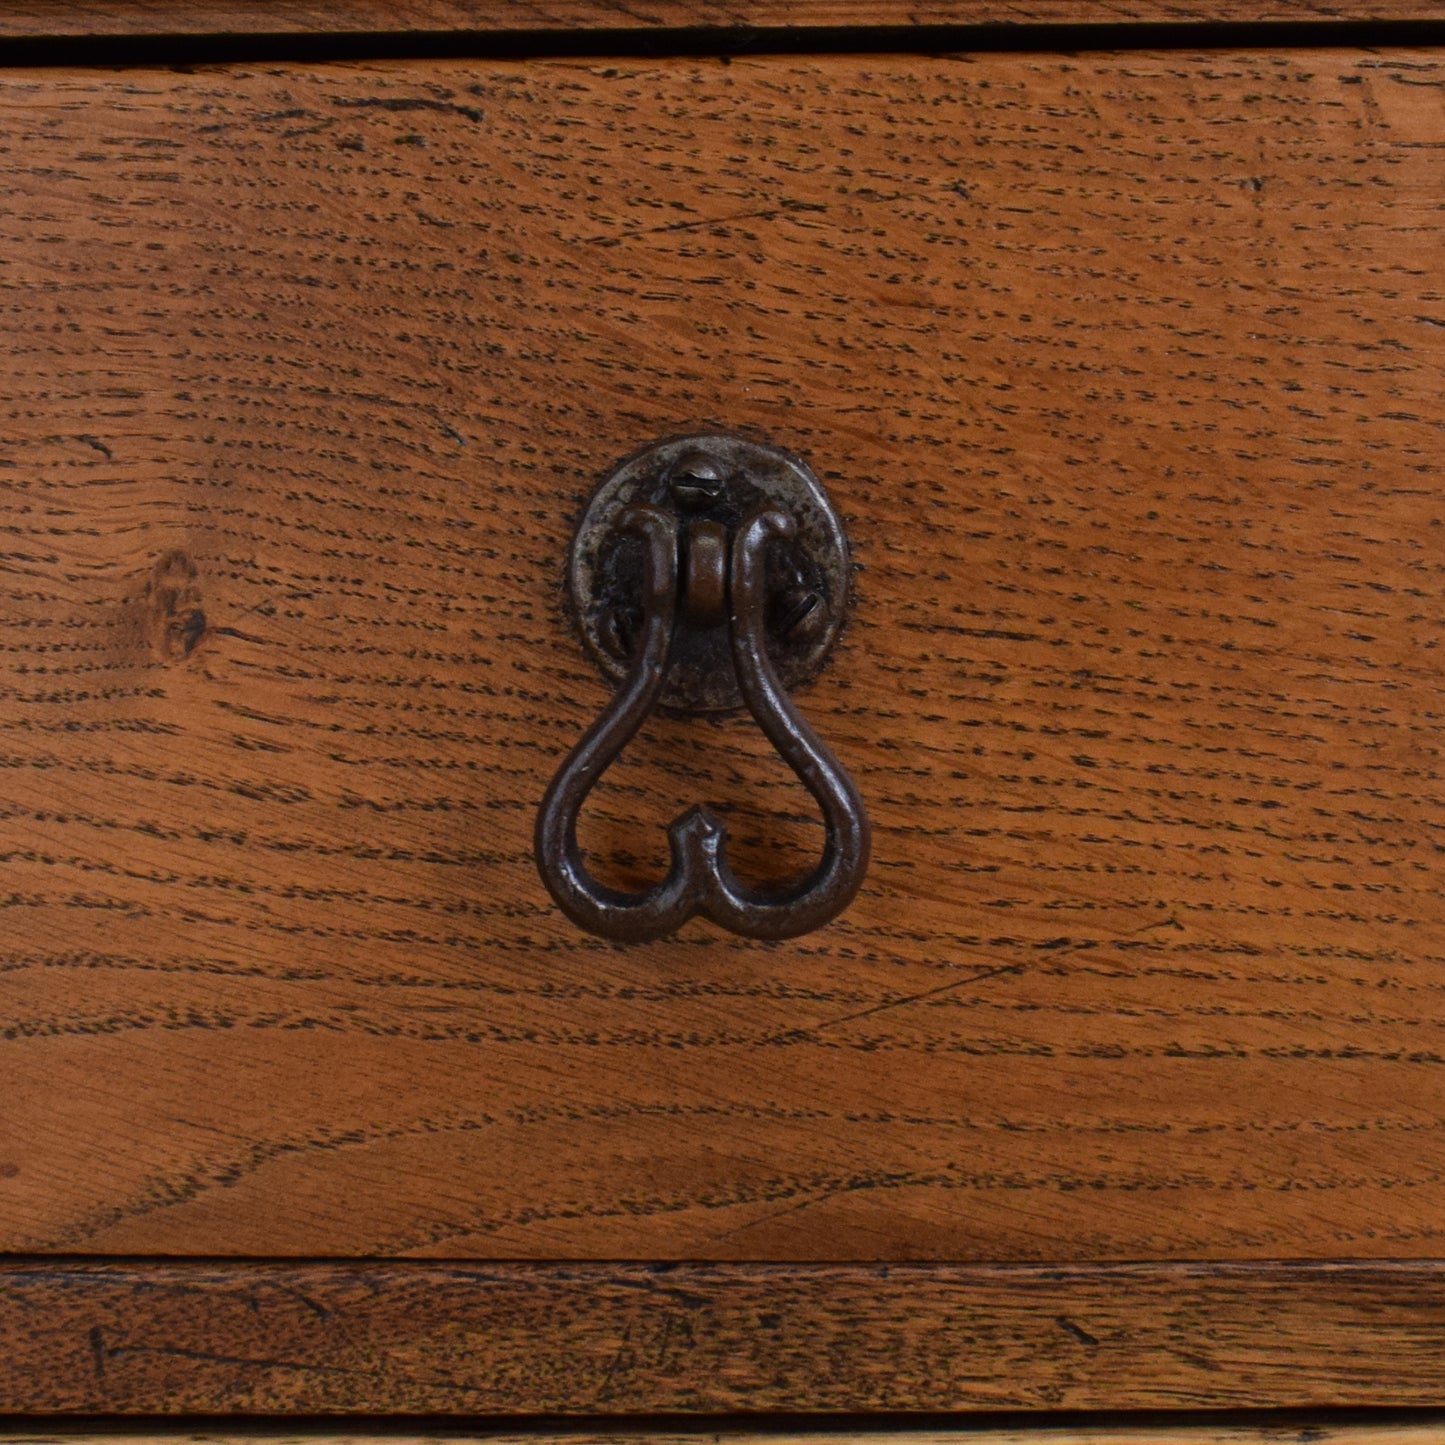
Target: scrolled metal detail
710, 528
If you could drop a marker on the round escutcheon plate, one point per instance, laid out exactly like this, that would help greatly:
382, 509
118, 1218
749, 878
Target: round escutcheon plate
716, 478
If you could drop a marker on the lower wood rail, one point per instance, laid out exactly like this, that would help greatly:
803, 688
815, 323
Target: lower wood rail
1303, 1433
611, 1340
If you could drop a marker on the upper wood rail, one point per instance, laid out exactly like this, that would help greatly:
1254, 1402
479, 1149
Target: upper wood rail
53, 18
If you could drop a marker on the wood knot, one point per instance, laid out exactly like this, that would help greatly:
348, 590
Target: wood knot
176, 621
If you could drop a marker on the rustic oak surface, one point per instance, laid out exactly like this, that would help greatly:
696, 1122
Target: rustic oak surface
610, 1340
242, 17
1125, 373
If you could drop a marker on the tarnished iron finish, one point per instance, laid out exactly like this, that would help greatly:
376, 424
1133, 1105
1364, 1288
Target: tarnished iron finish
715, 479
700, 563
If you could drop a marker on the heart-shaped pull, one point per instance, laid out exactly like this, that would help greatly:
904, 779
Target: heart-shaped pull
703, 567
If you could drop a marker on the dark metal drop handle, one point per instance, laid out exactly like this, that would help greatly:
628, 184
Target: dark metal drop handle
700, 881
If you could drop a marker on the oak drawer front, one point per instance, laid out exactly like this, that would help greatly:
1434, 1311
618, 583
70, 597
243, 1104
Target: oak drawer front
1124, 371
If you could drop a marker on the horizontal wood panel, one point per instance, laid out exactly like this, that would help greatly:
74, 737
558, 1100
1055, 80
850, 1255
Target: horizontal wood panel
1315, 1430
628, 1340
1125, 374
245, 17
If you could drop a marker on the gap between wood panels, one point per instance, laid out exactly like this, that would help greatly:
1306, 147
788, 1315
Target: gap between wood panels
163, 48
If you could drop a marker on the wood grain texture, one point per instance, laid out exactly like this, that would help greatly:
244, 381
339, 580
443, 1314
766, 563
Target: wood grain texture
606, 1340
60, 18
1125, 373
1315, 1431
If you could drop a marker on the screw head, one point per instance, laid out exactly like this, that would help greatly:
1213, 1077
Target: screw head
801, 614
697, 481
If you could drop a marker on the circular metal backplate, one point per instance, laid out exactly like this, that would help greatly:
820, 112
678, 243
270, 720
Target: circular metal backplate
715, 478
